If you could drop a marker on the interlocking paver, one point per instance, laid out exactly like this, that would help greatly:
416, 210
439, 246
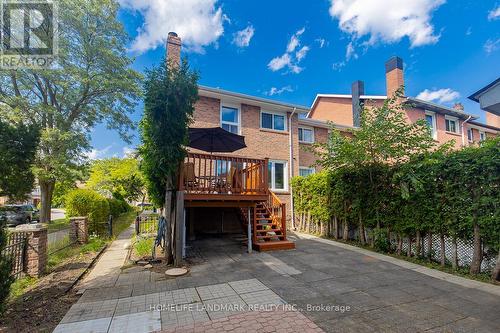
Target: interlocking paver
215, 291
246, 286
263, 297
181, 315
100, 325
225, 306
141, 322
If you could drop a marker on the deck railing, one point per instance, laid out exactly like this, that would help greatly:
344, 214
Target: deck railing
224, 175
277, 210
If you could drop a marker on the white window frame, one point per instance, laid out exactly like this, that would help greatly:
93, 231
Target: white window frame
309, 129
455, 120
285, 176
313, 170
471, 139
482, 135
434, 123
231, 106
272, 122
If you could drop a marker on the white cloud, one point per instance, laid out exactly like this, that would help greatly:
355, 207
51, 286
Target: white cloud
440, 96
301, 54
198, 22
128, 151
279, 62
96, 154
321, 41
337, 66
350, 52
491, 45
388, 22
468, 32
242, 38
289, 59
494, 14
279, 91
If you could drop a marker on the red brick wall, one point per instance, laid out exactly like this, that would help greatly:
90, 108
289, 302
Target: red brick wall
335, 109
306, 157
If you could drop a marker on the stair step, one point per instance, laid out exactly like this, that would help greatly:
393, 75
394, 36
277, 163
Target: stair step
268, 230
264, 218
269, 237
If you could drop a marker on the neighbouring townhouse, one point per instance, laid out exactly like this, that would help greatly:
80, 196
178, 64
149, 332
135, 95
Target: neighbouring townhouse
445, 123
250, 188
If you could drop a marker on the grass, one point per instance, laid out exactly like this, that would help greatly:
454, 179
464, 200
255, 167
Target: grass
57, 225
143, 246
94, 245
19, 287
460, 271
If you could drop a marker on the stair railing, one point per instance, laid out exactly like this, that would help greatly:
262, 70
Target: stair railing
278, 210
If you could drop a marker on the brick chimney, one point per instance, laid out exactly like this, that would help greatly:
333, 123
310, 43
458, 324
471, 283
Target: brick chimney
173, 49
458, 106
394, 76
357, 89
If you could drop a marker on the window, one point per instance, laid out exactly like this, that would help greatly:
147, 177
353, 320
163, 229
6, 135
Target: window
274, 121
482, 136
451, 124
304, 172
277, 175
306, 135
470, 135
430, 118
229, 119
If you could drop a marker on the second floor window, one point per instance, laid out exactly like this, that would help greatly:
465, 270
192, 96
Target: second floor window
451, 125
482, 136
306, 135
430, 118
230, 120
470, 135
273, 121
304, 172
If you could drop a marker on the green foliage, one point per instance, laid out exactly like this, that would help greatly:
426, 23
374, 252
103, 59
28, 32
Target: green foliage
61, 189
310, 195
94, 83
143, 246
5, 267
170, 94
117, 177
18, 144
118, 207
82, 202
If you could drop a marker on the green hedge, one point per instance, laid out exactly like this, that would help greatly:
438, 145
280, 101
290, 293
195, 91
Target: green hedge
118, 207
82, 202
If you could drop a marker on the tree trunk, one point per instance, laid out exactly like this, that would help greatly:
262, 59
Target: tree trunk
408, 253
362, 237
418, 244
346, 230
477, 258
443, 253
169, 214
400, 245
454, 261
46, 191
336, 227
496, 272
308, 222
429, 246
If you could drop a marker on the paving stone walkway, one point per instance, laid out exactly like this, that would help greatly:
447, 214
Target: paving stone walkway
318, 286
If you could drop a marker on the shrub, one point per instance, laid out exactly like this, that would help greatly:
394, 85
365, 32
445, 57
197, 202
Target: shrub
117, 207
5, 267
81, 202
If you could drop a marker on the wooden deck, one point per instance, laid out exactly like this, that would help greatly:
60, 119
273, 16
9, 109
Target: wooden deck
209, 180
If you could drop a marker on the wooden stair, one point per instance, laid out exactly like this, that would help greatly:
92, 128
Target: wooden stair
269, 227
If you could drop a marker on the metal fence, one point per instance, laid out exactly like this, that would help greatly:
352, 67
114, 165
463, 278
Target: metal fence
59, 240
146, 224
465, 248
16, 252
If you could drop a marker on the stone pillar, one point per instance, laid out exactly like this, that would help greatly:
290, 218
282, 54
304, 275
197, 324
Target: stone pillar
35, 260
79, 229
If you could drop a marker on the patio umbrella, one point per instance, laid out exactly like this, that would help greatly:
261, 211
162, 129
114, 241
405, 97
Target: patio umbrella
215, 140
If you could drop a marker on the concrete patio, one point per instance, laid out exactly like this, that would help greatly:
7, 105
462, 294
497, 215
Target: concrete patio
336, 288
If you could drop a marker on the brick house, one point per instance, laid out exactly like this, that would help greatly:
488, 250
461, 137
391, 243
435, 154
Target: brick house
446, 123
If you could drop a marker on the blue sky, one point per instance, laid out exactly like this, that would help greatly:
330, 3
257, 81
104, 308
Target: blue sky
292, 50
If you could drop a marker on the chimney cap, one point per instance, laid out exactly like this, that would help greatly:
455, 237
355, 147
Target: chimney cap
393, 63
173, 34
458, 106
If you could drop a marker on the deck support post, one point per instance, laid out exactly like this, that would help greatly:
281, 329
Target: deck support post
249, 230
179, 219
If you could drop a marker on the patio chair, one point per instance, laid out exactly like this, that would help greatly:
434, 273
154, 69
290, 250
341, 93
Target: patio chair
190, 179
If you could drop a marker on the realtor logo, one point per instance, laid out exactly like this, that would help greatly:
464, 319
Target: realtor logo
28, 34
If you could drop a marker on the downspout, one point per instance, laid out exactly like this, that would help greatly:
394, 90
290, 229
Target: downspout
463, 127
290, 136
